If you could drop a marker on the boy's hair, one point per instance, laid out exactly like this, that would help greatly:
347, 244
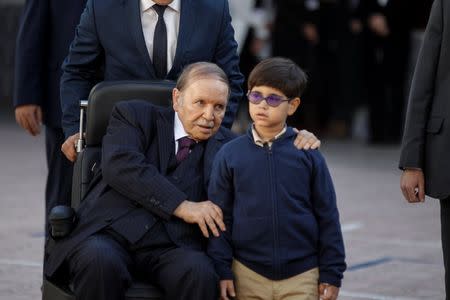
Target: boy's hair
201, 70
279, 73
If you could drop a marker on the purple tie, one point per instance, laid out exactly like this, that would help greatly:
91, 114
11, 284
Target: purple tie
184, 145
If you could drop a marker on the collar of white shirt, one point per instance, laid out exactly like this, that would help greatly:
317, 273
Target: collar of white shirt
178, 131
147, 4
260, 141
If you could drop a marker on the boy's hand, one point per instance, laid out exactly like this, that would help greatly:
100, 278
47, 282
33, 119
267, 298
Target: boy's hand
227, 289
328, 291
306, 140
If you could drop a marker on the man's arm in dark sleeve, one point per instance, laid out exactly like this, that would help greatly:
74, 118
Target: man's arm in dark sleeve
422, 92
124, 164
226, 57
82, 69
31, 54
220, 192
331, 245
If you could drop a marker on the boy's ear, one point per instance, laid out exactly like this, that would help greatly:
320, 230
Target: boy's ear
293, 105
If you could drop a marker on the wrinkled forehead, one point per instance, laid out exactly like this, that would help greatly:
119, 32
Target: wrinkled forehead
204, 80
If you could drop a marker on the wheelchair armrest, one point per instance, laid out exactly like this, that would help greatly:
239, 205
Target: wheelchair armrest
62, 220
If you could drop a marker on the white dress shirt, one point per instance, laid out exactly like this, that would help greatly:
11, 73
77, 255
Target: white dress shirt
149, 18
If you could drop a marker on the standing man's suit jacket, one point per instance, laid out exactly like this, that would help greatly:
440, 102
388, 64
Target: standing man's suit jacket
110, 45
136, 188
426, 140
43, 43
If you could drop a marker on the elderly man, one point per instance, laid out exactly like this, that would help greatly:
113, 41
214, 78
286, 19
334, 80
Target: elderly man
148, 213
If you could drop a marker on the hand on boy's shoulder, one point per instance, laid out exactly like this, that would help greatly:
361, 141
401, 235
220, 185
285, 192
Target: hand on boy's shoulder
328, 291
306, 140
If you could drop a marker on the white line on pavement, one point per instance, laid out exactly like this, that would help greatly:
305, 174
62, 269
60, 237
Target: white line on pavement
351, 226
397, 242
21, 263
372, 296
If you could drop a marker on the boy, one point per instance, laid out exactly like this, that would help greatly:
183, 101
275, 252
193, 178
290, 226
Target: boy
283, 238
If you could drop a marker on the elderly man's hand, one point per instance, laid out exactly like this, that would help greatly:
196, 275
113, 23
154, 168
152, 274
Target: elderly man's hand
306, 140
328, 291
29, 117
69, 147
227, 290
205, 214
412, 184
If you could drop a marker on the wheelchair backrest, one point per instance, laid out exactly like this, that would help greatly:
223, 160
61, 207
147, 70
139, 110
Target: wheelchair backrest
102, 99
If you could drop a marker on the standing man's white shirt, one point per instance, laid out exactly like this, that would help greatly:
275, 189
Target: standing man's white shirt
149, 17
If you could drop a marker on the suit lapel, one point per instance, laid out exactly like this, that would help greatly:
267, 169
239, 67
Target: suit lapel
133, 15
187, 26
166, 139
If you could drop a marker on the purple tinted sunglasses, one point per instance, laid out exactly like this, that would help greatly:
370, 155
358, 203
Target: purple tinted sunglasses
271, 100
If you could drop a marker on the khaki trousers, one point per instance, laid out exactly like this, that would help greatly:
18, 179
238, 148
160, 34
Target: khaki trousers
251, 285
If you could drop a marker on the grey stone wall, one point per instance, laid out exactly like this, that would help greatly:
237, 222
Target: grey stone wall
10, 12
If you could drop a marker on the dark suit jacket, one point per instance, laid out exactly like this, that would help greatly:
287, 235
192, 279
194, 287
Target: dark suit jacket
46, 29
426, 140
137, 150
110, 45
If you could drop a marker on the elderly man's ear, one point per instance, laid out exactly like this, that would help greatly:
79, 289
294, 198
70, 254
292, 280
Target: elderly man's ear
175, 98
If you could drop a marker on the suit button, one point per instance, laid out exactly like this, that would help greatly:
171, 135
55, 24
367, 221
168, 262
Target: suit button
147, 227
175, 178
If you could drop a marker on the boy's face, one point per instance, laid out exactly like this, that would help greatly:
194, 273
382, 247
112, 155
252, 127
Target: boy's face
264, 115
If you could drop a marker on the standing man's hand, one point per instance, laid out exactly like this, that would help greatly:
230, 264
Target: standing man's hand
412, 184
69, 147
205, 214
328, 291
306, 140
227, 290
29, 117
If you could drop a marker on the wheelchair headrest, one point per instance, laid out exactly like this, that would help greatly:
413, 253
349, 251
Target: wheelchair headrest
105, 95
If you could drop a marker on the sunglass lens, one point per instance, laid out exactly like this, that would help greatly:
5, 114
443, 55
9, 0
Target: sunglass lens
255, 97
274, 100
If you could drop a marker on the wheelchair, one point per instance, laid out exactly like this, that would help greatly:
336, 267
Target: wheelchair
94, 118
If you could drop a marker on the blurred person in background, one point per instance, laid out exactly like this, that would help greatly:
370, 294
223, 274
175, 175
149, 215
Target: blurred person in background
296, 36
251, 20
387, 28
425, 148
46, 29
350, 75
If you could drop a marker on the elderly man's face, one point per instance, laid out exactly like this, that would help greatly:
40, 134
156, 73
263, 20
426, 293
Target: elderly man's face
201, 107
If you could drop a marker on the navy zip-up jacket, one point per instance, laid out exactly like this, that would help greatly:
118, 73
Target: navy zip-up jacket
279, 208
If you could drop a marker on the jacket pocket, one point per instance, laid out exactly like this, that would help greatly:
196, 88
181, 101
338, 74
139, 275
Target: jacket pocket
434, 124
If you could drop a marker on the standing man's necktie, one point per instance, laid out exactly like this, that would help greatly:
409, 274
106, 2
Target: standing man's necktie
184, 146
160, 43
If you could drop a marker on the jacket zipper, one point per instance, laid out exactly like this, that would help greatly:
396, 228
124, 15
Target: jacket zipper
276, 263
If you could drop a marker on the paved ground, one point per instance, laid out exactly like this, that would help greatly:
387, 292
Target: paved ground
393, 249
